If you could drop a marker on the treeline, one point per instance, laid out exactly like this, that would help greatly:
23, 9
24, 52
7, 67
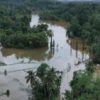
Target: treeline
15, 30
85, 24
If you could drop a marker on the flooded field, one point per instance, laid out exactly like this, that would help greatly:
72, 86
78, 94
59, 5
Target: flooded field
67, 56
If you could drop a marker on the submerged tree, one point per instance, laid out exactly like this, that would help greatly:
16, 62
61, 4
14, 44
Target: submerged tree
45, 82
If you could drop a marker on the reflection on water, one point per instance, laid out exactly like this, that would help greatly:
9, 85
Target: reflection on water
36, 54
77, 44
66, 56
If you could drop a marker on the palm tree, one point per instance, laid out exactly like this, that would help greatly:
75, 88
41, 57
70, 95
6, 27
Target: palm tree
45, 82
31, 78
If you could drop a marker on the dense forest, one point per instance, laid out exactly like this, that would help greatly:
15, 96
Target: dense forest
84, 24
15, 30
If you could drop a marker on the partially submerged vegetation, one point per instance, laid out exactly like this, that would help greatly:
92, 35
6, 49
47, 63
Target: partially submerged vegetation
84, 85
84, 19
45, 82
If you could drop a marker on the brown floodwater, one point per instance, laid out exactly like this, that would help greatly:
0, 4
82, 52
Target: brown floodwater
64, 57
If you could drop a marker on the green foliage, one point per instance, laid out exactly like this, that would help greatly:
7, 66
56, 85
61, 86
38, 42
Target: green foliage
84, 87
90, 67
95, 52
33, 40
75, 26
22, 36
45, 82
15, 31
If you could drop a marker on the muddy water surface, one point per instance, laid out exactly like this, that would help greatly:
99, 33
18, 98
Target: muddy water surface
64, 57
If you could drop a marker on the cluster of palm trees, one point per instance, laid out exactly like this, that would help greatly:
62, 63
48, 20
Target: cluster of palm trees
45, 82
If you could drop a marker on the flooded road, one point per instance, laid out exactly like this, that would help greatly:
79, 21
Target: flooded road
64, 57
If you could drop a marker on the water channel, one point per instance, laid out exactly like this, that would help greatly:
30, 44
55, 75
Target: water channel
64, 57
